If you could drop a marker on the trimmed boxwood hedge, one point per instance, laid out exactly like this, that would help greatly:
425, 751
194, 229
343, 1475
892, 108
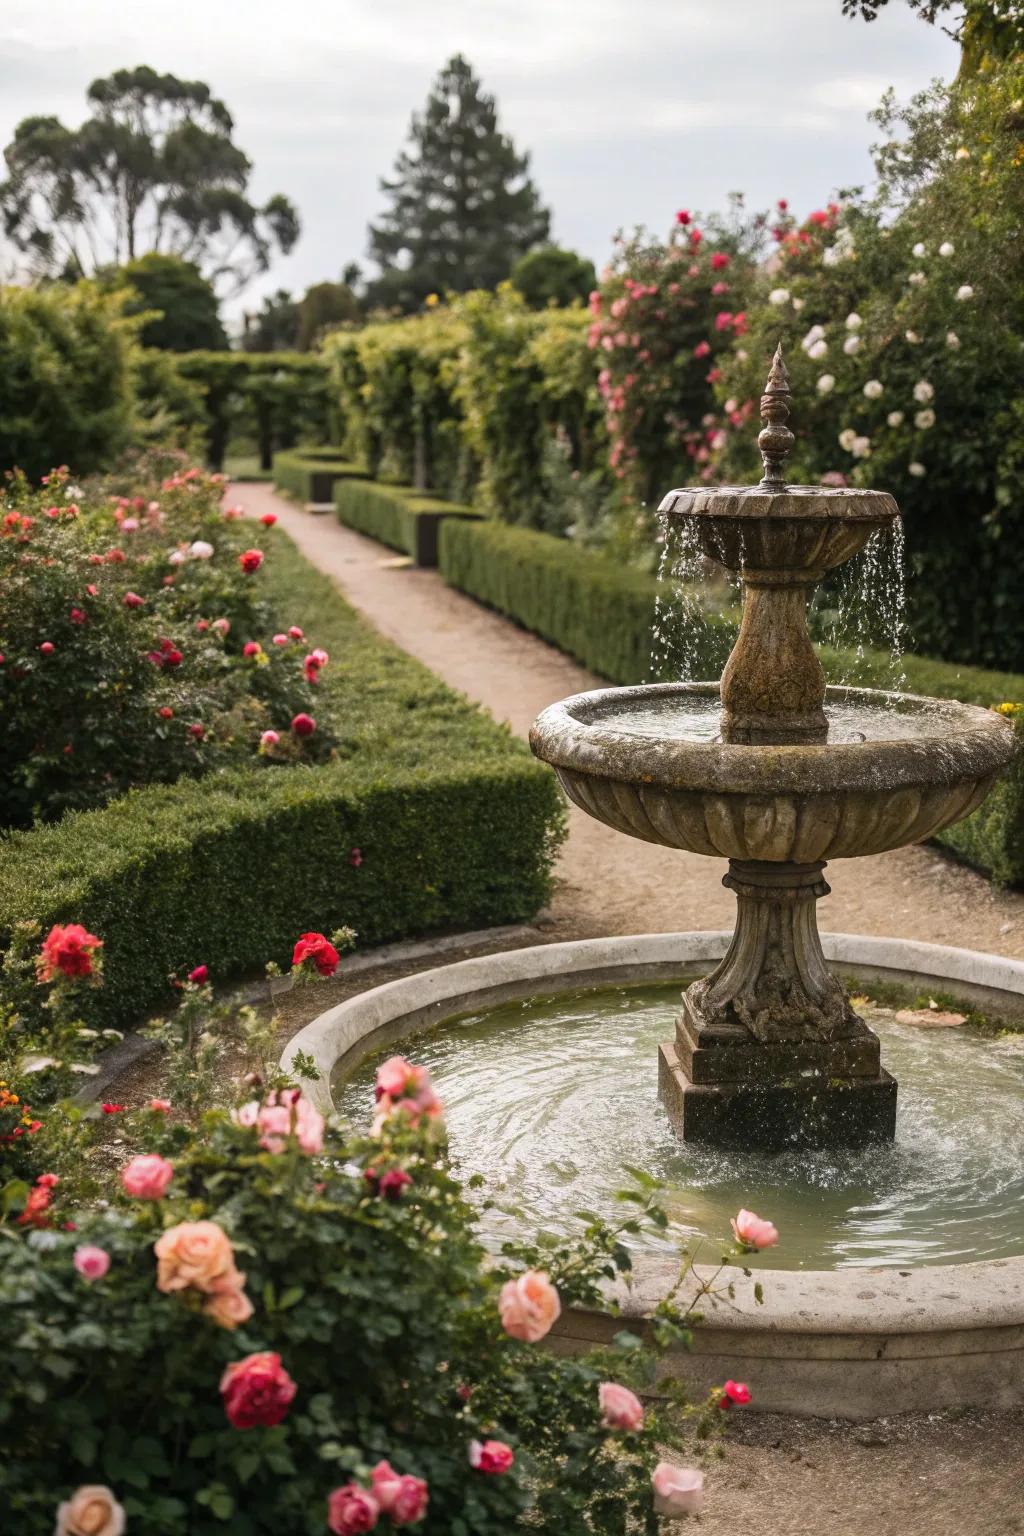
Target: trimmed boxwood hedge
310, 474
601, 614
455, 824
397, 515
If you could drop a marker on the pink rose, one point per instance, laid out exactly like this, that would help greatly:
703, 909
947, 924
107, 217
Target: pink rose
160, 1105
620, 1408
91, 1511
199, 975
529, 1306
269, 739
752, 1232
256, 1391
147, 1177
91, 1262
279, 640
229, 1308
196, 1253
677, 1490
402, 1497
491, 1456
282, 1115
735, 1394
351, 1509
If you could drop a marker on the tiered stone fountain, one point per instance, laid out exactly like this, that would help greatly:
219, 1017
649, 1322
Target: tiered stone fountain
777, 773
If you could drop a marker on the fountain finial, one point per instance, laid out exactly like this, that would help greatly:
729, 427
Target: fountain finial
775, 440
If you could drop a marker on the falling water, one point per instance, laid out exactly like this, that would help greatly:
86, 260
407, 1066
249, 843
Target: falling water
696, 611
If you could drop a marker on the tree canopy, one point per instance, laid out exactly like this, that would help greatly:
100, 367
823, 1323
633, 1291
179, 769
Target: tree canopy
551, 275
983, 28
154, 167
186, 313
463, 208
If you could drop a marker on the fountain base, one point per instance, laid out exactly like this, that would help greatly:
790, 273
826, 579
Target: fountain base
768, 1052
806, 1110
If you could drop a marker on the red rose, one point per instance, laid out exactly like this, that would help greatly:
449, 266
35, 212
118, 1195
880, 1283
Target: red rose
78, 617
256, 1391
197, 730
47, 647
492, 1456
819, 216
317, 950
199, 975
113, 1109
68, 949
391, 1184
251, 648
296, 633
268, 519
133, 600
165, 712
250, 560
303, 725
734, 1394
702, 349
719, 260
683, 216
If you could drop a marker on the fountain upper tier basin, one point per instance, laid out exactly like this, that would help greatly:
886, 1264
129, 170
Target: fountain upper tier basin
895, 769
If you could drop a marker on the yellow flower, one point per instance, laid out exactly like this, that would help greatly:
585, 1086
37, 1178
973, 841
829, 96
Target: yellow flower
1007, 708
432, 301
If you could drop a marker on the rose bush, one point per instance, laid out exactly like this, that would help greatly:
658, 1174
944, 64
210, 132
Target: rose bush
358, 1372
128, 640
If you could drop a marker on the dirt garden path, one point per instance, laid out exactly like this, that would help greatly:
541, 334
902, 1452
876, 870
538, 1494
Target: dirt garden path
608, 883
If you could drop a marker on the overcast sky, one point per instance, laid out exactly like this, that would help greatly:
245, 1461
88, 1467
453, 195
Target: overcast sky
629, 108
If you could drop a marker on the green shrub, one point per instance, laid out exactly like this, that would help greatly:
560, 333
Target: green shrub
456, 827
601, 614
397, 516
66, 378
310, 474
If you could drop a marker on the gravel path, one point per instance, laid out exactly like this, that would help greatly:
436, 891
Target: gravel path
608, 883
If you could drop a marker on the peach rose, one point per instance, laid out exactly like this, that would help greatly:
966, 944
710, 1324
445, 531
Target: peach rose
677, 1490
199, 1254
91, 1511
147, 1177
230, 1308
529, 1306
620, 1408
751, 1231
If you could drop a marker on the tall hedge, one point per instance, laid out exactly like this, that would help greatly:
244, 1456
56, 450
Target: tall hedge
454, 824
275, 397
67, 356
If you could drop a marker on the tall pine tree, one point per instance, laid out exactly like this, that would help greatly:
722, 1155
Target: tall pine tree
463, 208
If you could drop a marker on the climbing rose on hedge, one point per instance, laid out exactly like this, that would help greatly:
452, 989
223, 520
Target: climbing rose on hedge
315, 949
620, 1408
402, 1498
492, 1456
92, 1510
529, 1306
256, 1391
68, 949
350, 1509
147, 1177
250, 560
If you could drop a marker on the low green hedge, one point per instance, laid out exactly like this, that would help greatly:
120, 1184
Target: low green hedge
398, 515
310, 474
455, 824
602, 614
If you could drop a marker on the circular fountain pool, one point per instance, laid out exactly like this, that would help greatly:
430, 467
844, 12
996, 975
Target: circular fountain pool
549, 1099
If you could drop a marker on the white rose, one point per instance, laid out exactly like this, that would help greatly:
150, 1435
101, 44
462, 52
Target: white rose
920, 249
830, 256
742, 354
853, 321
817, 350
177, 557
916, 279
826, 384
952, 340
965, 292
923, 392
779, 296
798, 304
962, 154
873, 389
915, 469
815, 333
200, 550
861, 448
895, 418
924, 420
912, 337
847, 438
851, 345
730, 405
946, 248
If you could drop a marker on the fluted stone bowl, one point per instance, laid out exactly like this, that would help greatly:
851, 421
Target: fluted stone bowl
919, 765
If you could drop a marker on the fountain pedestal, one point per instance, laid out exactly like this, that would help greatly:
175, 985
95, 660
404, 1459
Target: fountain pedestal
768, 1050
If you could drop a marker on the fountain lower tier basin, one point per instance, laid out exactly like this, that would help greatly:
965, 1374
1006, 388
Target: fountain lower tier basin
907, 1288
895, 769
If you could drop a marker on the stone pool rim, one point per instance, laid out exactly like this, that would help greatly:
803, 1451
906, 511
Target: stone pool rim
853, 1343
